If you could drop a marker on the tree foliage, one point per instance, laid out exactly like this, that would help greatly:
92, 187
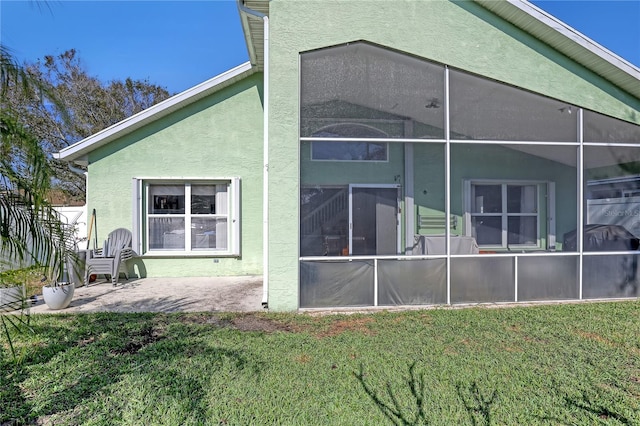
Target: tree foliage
84, 105
45, 107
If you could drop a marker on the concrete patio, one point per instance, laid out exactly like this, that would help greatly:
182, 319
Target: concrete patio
203, 294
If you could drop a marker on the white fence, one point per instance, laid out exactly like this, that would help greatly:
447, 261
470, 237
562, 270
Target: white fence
76, 216
73, 216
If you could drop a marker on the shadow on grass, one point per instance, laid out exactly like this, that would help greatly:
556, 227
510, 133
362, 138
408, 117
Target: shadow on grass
395, 410
601, 411
94, 352
15, 407
596, 404
414, 412
478, 406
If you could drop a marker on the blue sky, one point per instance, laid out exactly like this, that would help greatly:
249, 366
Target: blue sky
178, 44
174, 44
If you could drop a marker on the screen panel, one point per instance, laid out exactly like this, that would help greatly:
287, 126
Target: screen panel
412, 282
482, 279
547, 278
483, 109
345, 89
333, 284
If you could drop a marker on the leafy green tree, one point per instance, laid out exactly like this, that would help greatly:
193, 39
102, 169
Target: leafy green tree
84, 106
29, 227
26, 228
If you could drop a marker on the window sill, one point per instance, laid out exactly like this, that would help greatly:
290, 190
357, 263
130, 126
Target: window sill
173, 254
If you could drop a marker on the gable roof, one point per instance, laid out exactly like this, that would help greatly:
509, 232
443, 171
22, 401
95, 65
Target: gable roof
521, 14
568, 41
78, 151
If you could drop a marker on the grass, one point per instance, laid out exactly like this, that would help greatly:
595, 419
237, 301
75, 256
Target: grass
561, 364
31, 277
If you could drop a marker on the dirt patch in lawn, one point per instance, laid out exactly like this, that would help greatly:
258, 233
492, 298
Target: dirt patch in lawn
593, 336
243, 322
139, 340
361, 325
253, 322
259, 322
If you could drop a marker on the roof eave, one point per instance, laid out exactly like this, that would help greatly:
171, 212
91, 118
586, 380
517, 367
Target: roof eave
521, 14
568, 41
251, 14
246, 29
79, 151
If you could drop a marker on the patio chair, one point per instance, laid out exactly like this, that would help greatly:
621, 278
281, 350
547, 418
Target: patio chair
112, 258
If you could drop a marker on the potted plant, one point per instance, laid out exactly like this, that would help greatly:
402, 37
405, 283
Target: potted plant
58, 295
59, 288
64, 268
32, 233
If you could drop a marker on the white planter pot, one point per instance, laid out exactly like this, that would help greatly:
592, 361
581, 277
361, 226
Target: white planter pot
58, 297
12, 298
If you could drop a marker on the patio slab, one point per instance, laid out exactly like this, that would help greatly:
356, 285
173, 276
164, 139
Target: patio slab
203, 294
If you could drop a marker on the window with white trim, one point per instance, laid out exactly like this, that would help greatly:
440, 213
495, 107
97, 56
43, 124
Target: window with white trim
191, 216
504, 214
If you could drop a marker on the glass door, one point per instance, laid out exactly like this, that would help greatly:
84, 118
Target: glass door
374, 221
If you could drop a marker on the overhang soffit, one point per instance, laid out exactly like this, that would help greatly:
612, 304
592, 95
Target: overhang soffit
253, 27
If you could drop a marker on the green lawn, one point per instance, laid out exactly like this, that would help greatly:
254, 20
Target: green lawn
560, 364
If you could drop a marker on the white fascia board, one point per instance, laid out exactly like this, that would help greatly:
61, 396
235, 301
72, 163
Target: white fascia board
78, 151
575, 35
569, 41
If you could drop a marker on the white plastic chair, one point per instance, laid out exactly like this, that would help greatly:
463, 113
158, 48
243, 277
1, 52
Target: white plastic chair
112, 258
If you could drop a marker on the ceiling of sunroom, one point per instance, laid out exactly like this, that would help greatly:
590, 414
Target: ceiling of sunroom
595, 156
373, 85
403, 97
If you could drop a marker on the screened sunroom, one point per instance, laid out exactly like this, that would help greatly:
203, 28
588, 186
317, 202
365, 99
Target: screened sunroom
422, 184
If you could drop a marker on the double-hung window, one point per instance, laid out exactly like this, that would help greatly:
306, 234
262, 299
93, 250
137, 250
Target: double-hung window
196, 217
504, 214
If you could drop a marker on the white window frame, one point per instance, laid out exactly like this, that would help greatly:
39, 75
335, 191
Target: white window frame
141, 216
468, 184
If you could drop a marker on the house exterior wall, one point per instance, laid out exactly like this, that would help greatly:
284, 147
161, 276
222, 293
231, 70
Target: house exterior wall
219, 136
460, 34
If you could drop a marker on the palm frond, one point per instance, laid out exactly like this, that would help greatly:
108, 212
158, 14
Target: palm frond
29, 226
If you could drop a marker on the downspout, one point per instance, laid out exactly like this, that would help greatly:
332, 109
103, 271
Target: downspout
265, 155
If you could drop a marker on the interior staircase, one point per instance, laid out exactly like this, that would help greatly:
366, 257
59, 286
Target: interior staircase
324, 217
